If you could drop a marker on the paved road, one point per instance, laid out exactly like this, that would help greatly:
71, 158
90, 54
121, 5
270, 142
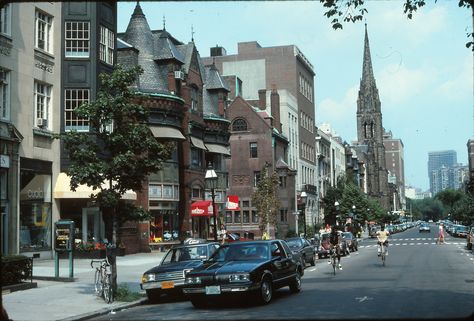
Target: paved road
421, 280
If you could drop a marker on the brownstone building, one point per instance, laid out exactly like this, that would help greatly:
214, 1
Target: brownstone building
256, 141
186, 101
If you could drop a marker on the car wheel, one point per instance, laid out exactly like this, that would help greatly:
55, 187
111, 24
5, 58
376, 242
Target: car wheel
265, 293
198, 303
313, 260
295, 285
153, 295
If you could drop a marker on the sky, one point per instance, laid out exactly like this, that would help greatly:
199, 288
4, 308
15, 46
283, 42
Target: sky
422, 68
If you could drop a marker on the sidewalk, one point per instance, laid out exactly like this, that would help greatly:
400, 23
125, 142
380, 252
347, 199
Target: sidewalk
55, 300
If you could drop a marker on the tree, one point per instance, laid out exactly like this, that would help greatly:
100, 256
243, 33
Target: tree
449, 197
354, 10
430, 208
265, 199
119, 151
463, 210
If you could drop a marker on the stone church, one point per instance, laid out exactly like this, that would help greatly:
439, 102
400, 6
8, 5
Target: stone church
370, 133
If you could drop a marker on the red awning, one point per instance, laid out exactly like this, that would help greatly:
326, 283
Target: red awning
201, 208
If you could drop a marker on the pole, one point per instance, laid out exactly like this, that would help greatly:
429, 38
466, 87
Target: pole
304, 220
214, 213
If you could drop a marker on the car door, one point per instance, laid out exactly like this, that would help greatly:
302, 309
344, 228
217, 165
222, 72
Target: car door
282, 264
308, 249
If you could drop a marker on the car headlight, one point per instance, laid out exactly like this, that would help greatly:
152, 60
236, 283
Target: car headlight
192, 280
241, 277
148, 278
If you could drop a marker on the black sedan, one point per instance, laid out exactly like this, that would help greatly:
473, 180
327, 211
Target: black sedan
168, 277
304, 248
242, 268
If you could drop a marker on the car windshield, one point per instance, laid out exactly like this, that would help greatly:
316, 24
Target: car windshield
241, 252
180, 254
295, 243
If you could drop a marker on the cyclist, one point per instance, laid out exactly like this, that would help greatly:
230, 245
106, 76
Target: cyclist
335, 242
382, 237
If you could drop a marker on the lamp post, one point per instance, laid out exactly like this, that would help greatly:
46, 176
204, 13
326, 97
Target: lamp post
211, 181
303, 199
336, 204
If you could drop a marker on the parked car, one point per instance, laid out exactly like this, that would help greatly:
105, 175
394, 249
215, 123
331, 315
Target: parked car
242, 268
351, 241
168, 276
373, 230
302, 246
460, 231
424, 227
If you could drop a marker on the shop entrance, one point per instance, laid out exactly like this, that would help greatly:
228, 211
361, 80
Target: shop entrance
93, 227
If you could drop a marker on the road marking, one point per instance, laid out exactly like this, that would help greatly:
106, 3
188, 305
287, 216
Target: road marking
312, 269
362, 299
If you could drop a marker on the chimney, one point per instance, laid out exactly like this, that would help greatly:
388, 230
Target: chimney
262, 99
275, 108
218, 51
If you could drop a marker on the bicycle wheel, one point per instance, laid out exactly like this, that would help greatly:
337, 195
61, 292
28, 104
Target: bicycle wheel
108, 296
98, 283
383, 255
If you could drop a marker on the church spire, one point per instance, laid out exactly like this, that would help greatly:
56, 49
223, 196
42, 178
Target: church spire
367, 72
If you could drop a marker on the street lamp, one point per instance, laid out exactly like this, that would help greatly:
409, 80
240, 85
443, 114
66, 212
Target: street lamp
336, 204
303, 199
211, 182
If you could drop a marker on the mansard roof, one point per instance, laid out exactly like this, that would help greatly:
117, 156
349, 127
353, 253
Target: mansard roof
138, 33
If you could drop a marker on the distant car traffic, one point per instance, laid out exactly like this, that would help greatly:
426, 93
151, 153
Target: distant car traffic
168, 277
305, 249
424, 227
242, 268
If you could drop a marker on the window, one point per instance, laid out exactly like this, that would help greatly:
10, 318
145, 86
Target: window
154, 191
194, 99
228, 217
239, 125
196, 157
42, 104
284, 215
196, 192
254, 217
4, 94
253, 150
245, 203
73, 99
246, 216
256, 178
106, 47
168, 191
237, 217
5, 20
282, 181
43, 31
77, 39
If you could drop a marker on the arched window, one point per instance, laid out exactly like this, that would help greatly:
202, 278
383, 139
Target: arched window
239, 125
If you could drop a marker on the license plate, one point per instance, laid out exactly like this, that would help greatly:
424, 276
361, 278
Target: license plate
213, 289
167, 284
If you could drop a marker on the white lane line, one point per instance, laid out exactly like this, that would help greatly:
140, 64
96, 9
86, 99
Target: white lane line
364, 298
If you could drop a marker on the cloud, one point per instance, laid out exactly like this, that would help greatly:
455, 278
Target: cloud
461, 82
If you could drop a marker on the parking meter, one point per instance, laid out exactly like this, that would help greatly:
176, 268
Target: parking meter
64, 242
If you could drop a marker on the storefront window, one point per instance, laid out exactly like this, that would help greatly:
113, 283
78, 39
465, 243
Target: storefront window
35, 212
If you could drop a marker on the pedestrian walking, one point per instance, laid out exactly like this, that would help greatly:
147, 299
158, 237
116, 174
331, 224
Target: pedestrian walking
440, 234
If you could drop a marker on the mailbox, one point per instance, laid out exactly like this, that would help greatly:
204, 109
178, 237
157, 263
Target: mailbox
64, 235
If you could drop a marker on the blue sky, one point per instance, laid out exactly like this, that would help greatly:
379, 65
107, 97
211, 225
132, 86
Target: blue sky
422, 68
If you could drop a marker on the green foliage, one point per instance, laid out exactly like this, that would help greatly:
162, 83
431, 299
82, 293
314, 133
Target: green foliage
119, 151
354, 11
463, 210
430, 208
265, 198
449, 197
124, 294
16, 269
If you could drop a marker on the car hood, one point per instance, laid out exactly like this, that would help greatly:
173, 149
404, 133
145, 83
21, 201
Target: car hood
227, 267
174, 267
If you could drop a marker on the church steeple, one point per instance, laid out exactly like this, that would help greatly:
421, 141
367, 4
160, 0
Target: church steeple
368, 78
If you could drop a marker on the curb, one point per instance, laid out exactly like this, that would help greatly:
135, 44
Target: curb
106, 310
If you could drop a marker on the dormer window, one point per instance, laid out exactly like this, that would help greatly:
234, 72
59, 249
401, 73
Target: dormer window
239, 125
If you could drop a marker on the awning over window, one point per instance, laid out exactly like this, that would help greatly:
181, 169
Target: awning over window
62, 189
198, 143
218, 149
166, 132
201, 208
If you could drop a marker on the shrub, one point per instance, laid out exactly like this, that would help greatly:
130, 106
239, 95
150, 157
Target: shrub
125, 294
16, 269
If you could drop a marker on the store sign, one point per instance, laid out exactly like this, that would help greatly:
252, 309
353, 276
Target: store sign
232, 203
4, 161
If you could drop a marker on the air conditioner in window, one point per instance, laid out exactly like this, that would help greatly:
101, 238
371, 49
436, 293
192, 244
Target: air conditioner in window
41, 122
179, 75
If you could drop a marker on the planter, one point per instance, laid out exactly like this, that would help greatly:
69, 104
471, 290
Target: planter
94, 254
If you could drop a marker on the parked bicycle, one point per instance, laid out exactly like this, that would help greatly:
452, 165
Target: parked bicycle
103, 279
